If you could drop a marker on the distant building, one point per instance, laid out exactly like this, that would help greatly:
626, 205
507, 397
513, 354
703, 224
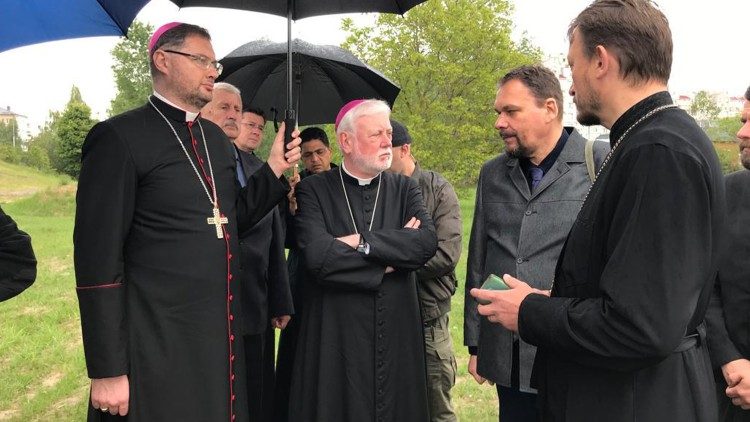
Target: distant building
8, 116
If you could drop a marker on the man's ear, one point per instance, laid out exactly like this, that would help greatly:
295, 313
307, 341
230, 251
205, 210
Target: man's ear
160, 61
604, 61
345, 142
551, 110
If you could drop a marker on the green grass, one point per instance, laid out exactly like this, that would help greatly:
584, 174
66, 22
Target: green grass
42, 369
17, 181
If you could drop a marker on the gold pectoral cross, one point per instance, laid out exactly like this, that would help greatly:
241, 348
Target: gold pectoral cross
217, 220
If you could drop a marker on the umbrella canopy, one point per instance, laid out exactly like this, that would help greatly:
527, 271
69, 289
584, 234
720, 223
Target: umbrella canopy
24, 22
298, 9
325, 78
301, 9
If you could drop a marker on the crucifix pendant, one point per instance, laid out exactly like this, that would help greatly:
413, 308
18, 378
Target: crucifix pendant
217, 220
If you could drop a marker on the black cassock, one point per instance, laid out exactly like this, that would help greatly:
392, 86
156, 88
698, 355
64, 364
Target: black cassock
155, 284
618, 340
360, 355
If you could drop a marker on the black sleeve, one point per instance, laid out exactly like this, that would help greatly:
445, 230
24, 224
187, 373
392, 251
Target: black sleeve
104, 210
279, 292
17, 261
262, 193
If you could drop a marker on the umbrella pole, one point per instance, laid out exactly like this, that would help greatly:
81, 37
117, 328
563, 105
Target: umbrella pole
290, 122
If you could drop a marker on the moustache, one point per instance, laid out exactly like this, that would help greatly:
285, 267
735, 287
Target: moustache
508, 134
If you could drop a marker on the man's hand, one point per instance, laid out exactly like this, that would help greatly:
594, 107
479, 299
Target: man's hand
737, 375
280, 158
280, 322
413, 223
473, 371
111, 394
293, 180
504, 304
352, 240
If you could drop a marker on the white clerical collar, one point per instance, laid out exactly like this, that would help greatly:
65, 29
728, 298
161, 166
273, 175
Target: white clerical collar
362, 182
189, 115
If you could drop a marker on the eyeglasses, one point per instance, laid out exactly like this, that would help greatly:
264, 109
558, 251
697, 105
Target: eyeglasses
201, 60
254, 126
319, 152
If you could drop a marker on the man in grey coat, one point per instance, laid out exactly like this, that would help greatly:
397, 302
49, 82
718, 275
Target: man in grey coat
526, 202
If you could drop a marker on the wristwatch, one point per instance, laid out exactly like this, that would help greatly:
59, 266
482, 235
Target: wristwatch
363, 247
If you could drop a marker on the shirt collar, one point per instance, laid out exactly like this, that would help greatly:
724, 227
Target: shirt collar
550, 159
189, 115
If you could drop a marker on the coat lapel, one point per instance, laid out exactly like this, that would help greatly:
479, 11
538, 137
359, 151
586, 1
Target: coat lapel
572, 153
519, 180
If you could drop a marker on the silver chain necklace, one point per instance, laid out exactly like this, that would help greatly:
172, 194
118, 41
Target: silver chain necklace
374, 208
619, 141
217, 219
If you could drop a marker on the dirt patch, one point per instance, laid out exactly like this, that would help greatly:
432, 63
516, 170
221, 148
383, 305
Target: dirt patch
52, 380
58, 265
6, 415
34, 310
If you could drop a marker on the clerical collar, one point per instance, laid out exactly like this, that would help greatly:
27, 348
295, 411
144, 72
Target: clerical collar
189, 115
362, 182
636, 112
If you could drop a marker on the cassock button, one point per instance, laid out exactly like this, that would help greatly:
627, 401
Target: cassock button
381, 322
230, 276
380, 391
367, 196
380, 378
368, 209
231, 337
231, 317
232, 377
233, 397
380, 336
380, 294
519, 261
380, 350
380, 309
231, 297
233, 416
230, 255
231, 359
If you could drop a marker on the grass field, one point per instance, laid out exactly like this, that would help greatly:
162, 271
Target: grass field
42, 370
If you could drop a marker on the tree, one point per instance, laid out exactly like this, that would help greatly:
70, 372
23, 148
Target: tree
72, 127
447, 56
724, 129
9, 132
704, 108
48, 141
131, 69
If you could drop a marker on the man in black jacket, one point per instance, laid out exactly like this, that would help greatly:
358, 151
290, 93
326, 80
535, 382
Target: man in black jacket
17, 261
267, 301
728, 325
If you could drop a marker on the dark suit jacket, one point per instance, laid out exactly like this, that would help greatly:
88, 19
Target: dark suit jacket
264, 276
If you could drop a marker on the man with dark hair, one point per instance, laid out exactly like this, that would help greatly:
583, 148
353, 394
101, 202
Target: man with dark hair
265, 294
621, 337
17, 260
316, 157
726, 318
158, 210
436, 280
526, 202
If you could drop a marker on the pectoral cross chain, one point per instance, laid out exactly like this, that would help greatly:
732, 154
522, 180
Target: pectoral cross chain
217, 220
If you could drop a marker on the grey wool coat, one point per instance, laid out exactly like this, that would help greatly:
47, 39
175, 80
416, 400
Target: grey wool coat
520, 233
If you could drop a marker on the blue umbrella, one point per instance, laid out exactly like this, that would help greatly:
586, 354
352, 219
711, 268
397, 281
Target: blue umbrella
24, 22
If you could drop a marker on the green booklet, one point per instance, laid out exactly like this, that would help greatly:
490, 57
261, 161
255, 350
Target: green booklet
493, 282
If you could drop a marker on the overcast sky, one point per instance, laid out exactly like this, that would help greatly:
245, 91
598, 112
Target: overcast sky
712, 50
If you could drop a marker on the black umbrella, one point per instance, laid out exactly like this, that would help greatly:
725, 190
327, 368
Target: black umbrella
325, 78
298, 9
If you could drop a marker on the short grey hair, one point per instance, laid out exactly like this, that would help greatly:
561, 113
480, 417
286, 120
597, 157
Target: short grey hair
366, 108
224, 86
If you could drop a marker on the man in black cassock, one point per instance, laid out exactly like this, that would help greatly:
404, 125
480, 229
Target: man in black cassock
316, 158
726, 318
621, 337
17, 260
158, 212
362, 232
266, 297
